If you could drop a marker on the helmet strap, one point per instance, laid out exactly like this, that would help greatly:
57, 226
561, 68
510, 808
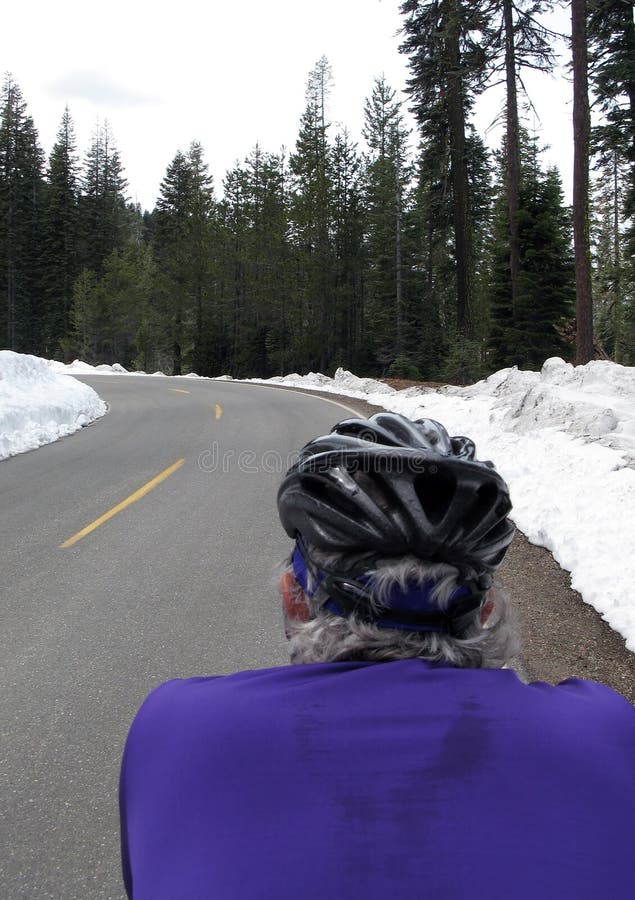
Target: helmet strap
350, 595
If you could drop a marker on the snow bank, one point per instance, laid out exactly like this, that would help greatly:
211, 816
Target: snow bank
564, 439
77, 367
343, 383
38, 405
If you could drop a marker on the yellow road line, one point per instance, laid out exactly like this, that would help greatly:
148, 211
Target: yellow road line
218, 411
178, 390
137, 495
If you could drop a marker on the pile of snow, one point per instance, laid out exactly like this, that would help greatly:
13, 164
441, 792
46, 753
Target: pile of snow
343, 383
38, 405
564, 440
77, 367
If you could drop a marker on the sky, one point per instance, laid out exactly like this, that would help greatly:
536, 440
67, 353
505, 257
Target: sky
228, 75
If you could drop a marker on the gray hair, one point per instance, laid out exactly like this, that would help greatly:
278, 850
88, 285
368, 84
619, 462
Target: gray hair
327, 637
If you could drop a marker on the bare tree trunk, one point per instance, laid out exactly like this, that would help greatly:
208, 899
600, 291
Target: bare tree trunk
458, 170
617, 266
513, 155
581, 136
398, 276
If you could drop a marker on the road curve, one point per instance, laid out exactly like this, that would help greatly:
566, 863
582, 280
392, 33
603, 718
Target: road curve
178, 582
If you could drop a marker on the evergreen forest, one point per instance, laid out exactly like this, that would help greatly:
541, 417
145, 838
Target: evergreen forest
417, 253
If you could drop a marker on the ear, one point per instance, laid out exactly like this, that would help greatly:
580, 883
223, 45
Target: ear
296, 605
487, 608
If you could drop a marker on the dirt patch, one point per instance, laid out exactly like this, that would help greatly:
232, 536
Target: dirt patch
400, 384
562, 636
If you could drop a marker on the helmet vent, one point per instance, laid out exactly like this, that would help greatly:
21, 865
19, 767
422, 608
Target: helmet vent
435, 489
485, 499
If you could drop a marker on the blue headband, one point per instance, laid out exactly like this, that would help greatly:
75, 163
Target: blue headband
413, 601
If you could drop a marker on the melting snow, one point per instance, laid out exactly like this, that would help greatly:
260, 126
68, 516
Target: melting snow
39, 405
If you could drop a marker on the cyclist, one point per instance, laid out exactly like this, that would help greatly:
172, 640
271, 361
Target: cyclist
397, 757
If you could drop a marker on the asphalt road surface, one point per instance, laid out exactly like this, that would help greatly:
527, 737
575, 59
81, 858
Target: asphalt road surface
180, 581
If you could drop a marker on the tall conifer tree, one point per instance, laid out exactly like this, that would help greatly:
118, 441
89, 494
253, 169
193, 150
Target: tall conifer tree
531, 331
348, 228
515, 40
447, 65
182, 246
386, 179
611, 37
102, 205
21, 183
312, 223
60, 234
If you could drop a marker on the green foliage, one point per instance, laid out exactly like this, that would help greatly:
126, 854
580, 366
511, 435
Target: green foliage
404, 367
613, 272
254, 266
386, 178
21, 186
109, 311
447, 62
102, 206
182, 244
462, 364
348, 235
60, 222
311, 226
529, 331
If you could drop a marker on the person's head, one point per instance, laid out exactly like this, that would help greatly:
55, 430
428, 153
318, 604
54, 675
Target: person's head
398, 530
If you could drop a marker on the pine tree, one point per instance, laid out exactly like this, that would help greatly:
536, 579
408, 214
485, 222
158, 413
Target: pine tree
109, 313
611, 36
254, 262
21, 182
83, 340
181, 242
103, 214
235, 223
515, 40
199, 227
60, 235
170, 241
613, 277
430, 232
447, 65
530, 331
386, 178
312, 225
350, 342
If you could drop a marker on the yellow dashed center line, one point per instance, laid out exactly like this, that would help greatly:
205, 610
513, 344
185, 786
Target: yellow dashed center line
179, 391
218, 411
137, 495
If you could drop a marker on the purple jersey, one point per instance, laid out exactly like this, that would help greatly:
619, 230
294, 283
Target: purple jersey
377, 780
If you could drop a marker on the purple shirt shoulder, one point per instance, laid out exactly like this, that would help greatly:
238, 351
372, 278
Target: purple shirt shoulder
373, 780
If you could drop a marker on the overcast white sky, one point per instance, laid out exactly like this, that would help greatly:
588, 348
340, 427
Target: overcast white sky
226, 74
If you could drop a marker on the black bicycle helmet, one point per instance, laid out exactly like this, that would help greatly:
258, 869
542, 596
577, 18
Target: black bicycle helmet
389, 486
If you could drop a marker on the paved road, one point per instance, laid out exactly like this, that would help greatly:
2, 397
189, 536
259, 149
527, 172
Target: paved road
178, 583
